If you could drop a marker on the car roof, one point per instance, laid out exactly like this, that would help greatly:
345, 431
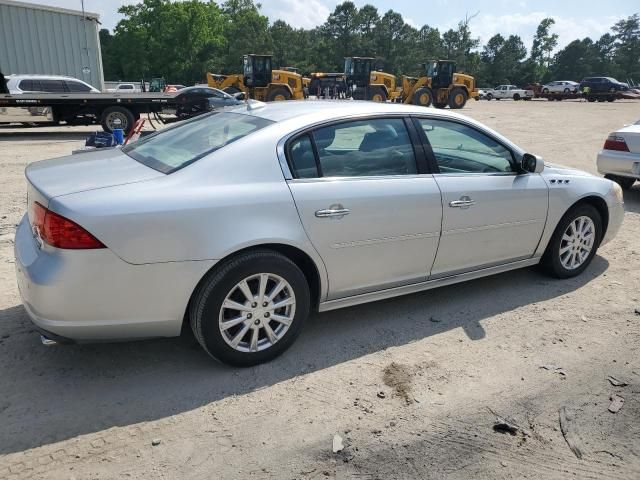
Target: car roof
319, 110
38, 75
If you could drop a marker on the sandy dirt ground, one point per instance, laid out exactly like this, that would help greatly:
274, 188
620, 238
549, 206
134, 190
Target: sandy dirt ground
413, 386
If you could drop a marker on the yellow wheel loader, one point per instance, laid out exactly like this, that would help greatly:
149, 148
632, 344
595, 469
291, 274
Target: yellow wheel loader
259, 81
441, 86
364, 82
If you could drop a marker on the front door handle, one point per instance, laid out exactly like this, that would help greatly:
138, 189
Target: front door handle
334, 211
464, 202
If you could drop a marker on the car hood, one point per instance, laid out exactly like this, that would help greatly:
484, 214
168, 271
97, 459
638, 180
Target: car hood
86, 171
555, 169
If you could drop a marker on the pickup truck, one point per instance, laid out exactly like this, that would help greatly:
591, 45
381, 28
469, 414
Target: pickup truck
509, 91
124, 88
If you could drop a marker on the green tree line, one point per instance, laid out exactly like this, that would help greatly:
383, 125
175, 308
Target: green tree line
183, 40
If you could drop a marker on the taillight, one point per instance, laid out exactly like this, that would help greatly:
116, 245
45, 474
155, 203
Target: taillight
614, 142
60, 232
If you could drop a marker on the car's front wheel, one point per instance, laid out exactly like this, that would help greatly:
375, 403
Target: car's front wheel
251, 308
574, 242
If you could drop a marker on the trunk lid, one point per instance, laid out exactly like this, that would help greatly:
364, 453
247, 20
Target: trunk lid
631, 135
84, 171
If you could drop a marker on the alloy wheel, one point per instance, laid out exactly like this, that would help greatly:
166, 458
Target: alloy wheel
577, 242
257, 312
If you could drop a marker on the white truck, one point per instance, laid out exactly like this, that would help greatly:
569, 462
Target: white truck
124, 88
509, 91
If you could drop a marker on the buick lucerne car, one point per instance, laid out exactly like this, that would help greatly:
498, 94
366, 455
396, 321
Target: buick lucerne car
242, 221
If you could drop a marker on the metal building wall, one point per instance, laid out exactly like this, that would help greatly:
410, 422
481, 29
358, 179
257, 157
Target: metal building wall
46, 40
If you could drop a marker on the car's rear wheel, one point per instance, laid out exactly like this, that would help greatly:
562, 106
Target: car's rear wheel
625, 182
574, 242
250, 309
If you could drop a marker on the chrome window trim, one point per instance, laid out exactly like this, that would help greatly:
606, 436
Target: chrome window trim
364, 177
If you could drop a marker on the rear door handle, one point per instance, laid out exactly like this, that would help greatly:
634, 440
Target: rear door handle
332, 212
464, 202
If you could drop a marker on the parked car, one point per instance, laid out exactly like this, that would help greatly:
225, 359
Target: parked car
125, 88
173, 88
195, 100
19, 84
619, 159
509, 91
602, 85
560, 86
228, 220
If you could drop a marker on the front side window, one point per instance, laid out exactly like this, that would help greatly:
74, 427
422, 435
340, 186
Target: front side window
176, 147
462, 149
365, 148
78, 87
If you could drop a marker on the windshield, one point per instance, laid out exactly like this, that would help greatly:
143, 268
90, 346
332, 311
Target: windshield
174, 148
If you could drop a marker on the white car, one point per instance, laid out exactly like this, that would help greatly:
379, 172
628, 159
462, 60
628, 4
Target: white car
560, 86
509, 91
619, 159
124, 88
28, 83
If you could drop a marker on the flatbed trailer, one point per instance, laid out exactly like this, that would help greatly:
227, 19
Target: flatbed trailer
111, 110
589, 97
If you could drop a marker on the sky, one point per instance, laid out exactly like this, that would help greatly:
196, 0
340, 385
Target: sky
574, 19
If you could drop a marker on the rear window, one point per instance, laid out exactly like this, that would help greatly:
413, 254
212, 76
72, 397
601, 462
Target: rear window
174, 148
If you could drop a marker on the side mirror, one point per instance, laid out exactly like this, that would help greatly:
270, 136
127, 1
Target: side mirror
532, 163
239, 95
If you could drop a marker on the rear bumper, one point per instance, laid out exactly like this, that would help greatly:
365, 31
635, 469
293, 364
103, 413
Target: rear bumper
93, 295
623, 164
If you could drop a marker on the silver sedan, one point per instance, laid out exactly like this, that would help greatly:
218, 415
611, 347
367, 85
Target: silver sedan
242, 222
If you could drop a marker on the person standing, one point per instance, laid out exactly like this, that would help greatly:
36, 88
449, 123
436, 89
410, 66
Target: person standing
3, 84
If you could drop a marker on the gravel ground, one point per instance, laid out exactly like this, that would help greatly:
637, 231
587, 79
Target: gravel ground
412, 385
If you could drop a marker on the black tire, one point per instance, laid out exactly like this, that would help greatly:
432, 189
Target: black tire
377, 94
567, 90
546, 90
591, 99
110, 116
439, 104
611, 99
231, 90
551, 259
458, 98
625, 182
489, 96
277, 94
205, 308
516, 96
423, 97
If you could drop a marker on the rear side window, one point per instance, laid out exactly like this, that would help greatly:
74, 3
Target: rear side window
77, 87
27, 86
302, 158
374, 147
176, 147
